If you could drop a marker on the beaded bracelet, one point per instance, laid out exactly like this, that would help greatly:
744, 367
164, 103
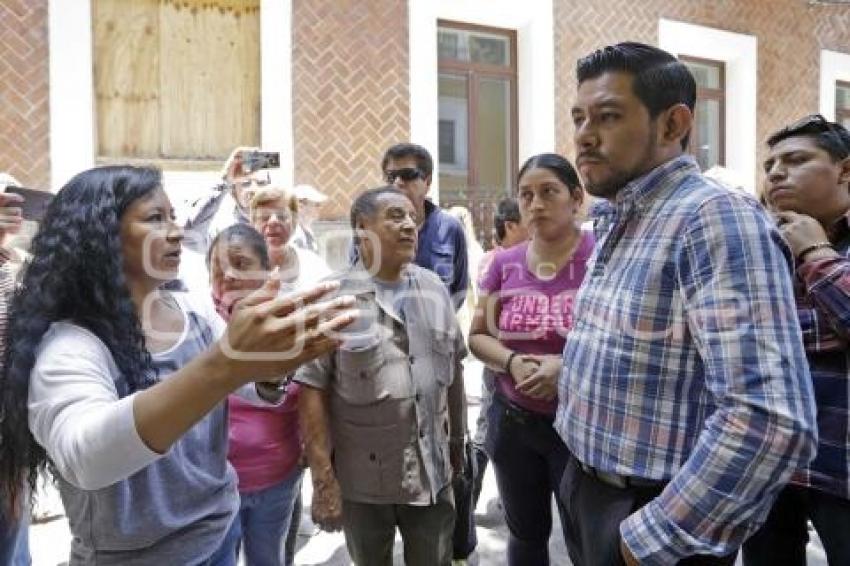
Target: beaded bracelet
508, 363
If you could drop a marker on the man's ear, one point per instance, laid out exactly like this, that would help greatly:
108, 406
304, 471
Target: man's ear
578, 196
844, 175
676, 122
428, 180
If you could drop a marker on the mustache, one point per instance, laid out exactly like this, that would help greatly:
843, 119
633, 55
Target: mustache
590, 155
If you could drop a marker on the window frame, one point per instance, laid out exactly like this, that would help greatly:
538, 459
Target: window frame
474, 72
718, 94
841, 113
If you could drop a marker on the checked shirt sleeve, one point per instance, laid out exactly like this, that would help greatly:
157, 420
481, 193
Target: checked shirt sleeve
735, 286
827, 288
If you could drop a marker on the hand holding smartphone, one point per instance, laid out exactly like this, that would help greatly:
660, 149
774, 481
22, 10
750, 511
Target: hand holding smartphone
31, 203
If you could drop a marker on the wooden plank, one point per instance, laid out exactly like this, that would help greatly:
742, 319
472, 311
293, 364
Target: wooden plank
210, 77
126, 77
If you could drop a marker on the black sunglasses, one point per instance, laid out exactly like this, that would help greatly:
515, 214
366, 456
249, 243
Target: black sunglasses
817, 124
406, 174
813, 123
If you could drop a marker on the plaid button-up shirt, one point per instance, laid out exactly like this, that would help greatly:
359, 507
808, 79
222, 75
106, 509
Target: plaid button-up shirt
822, 288
686, 363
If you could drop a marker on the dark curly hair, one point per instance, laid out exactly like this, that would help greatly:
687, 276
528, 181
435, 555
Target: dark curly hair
75, 274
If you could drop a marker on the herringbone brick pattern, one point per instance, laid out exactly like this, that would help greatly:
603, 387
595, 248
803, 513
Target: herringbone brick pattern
24, 108
350, 92
790, 35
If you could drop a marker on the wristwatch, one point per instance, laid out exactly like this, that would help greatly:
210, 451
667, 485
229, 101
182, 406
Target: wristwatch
274, 389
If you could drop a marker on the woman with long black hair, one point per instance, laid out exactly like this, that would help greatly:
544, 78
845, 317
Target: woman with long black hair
119, 386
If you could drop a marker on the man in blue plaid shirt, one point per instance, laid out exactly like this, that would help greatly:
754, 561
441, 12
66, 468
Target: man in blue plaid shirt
685, 397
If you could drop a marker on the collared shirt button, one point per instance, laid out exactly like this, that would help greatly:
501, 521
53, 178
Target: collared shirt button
372, 456
412, 359
417, 397
421, 434
362, 375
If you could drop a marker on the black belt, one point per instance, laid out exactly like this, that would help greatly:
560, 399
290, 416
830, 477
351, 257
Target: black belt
619, 481
521, 414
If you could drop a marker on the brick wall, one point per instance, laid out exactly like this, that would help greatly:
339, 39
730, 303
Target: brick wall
24, 109
350, 93
350, 74
790, 35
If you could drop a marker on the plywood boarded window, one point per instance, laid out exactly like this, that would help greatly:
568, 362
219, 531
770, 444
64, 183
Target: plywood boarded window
176, 80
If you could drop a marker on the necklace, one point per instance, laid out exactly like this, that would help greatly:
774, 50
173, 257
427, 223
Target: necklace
548, 269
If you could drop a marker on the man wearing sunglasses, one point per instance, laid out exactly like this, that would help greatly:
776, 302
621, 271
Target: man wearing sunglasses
441, 244
807, 187
226, 205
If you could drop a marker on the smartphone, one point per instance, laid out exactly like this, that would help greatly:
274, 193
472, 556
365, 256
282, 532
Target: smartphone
35, 202
256, 160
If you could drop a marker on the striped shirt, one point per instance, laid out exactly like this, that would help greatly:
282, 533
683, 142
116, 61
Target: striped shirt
7, 287
685, 362
822, 288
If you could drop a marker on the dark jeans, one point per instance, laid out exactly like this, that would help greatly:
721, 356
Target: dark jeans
528, 458
596, 509
783, 537
481, 460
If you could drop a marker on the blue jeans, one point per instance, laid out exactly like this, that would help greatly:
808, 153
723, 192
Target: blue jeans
14, 540
529, 459
263, 520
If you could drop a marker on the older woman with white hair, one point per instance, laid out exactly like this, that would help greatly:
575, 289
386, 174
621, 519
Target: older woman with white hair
274, 214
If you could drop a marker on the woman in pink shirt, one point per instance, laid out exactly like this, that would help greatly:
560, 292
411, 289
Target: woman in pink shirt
265, 442
519, 330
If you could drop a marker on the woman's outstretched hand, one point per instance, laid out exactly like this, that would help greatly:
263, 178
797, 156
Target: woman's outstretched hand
269, 335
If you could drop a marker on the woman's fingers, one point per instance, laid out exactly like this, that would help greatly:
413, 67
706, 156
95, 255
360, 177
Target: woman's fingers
291, 302
308, 317
262, 296
324, 338
537, 385
529, 383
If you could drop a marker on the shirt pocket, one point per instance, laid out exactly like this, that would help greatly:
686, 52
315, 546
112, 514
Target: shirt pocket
443, 261
374, 461
361, 375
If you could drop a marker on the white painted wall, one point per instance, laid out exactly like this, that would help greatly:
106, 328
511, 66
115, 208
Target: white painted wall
276, 83
834, 66
72, 125
532, 20
739, 53
72, 104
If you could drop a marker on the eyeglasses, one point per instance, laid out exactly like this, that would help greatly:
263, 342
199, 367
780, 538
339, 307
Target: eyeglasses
263, 215
406, 174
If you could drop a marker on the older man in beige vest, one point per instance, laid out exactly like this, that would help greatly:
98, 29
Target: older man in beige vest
383, 416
